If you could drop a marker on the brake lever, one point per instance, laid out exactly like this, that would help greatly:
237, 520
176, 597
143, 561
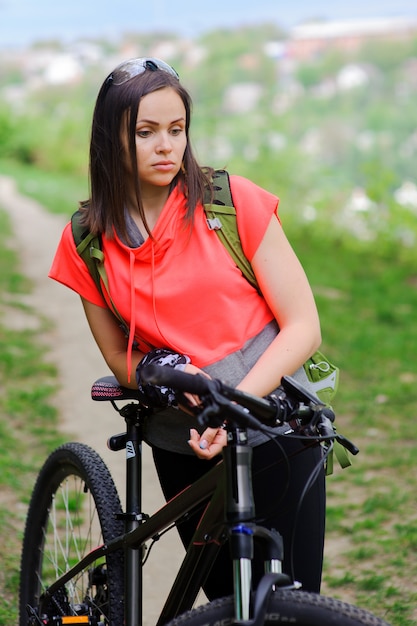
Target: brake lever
326, 428
217, 408
211, 415
307, 418
349, 445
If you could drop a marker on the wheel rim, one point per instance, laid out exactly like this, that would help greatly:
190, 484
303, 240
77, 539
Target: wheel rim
72, 529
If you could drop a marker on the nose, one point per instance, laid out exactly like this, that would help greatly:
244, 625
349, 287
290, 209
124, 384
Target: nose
164, 143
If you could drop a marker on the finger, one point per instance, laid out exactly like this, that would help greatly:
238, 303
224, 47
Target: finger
207, 453
209, 435
194, 435
199, 445
194, 444
201, 454
193, 400
192, 369
202, 448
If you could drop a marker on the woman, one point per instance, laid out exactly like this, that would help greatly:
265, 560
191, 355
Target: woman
186, 302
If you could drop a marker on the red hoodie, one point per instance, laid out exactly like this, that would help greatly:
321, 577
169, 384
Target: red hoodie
182, 290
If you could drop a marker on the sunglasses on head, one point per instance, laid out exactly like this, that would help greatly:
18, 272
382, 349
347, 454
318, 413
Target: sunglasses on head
129, 69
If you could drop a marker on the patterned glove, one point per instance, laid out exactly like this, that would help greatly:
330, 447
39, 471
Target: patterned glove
153, 395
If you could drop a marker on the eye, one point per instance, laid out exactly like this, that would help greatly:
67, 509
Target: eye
177, 130
143, 133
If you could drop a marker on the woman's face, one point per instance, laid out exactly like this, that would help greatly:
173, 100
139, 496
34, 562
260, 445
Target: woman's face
160, 137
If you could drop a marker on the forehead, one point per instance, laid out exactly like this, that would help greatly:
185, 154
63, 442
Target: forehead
164, 101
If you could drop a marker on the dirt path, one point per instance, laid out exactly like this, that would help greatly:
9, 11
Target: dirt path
79, 363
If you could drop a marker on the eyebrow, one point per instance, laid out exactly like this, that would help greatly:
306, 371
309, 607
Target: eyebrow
146, 121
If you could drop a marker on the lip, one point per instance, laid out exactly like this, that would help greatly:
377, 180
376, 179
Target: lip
164, 166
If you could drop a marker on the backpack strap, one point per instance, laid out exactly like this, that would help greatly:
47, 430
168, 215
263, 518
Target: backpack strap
221, 217
85, 243
88, 246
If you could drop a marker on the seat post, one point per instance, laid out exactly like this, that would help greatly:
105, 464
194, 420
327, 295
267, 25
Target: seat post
133, 516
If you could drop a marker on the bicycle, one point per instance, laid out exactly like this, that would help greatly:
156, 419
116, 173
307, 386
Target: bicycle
82, 556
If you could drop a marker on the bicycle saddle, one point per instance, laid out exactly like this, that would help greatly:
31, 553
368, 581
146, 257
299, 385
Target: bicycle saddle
108, 388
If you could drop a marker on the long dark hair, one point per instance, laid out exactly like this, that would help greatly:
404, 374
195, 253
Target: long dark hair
115, 105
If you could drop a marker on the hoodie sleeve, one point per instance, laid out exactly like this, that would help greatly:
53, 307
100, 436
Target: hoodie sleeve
69, 269
254, 208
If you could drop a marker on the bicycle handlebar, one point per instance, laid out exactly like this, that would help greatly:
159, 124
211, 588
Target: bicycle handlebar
292, 403
270, 410
266, 410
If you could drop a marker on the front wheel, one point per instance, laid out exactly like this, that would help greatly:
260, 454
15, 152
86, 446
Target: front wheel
72, 511
285, 607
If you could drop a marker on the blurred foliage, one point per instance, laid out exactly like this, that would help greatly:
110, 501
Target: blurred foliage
313, 132
321, 148
303, 132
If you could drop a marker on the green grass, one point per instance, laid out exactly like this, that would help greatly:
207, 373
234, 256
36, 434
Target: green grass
58, 192
367, 297
369, 330
28, 420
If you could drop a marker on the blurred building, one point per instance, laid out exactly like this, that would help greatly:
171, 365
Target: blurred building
310, 40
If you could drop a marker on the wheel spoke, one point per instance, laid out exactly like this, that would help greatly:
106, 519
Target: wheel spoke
79, 501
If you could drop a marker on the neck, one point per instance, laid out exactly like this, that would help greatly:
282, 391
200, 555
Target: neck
153, 202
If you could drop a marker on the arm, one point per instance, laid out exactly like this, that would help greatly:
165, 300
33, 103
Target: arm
285, 287
113, 345
111, 341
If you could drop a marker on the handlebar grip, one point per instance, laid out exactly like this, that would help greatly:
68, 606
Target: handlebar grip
269, 410
176, 379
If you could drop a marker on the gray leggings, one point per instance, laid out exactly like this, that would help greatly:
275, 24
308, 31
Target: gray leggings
277, 493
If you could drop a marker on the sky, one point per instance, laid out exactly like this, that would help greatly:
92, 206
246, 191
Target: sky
23, 22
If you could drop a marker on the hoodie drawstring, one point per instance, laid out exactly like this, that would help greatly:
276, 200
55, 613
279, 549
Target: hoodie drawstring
132, 316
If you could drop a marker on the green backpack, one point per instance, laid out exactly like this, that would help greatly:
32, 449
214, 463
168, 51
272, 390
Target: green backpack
317, 374
89, 249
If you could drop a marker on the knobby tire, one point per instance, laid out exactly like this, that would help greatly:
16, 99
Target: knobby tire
71, 512
284, 607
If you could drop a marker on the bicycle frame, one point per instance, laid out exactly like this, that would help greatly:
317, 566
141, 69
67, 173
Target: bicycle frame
224, 497
227, 508
191, 575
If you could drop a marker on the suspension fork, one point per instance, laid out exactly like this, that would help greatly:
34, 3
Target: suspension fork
240, 513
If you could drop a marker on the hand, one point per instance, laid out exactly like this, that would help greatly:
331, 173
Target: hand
192, 401
209, 444
155, 395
